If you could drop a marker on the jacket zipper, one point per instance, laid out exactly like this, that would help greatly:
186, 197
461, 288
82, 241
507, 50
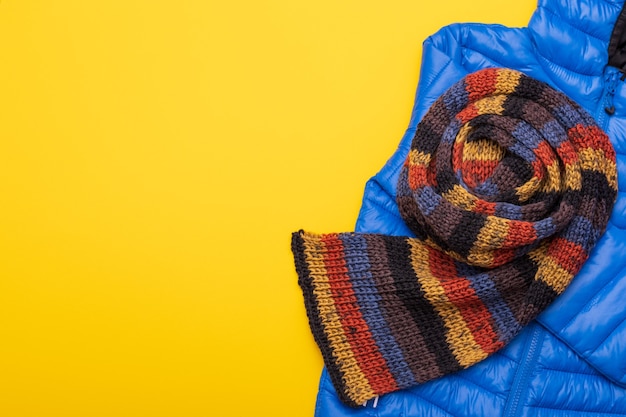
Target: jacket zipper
606, 106
524, 372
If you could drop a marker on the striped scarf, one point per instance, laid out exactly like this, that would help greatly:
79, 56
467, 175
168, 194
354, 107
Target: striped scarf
507, 187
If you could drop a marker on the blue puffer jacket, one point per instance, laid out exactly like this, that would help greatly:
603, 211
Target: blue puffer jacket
572, 360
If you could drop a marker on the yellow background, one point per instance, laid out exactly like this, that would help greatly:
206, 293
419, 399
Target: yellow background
154, 158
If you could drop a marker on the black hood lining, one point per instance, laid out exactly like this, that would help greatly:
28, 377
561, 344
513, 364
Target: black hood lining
617, 44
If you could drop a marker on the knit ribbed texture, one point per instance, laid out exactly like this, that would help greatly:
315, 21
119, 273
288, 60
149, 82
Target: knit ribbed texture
507, 186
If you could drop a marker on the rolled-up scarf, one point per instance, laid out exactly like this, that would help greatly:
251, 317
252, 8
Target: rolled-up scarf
507, 187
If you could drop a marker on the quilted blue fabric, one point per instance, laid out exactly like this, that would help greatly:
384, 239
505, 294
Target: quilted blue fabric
571, 361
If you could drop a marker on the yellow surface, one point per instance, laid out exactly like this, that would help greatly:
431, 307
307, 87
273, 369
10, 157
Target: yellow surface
154, 158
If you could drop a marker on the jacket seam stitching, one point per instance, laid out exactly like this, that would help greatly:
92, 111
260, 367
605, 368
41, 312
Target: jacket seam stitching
494, 61
562, 19
607, 336
465, 46
612, 2
573, 410
540, 55
567, 371
593, 301
506, 357
433, 404
484, 389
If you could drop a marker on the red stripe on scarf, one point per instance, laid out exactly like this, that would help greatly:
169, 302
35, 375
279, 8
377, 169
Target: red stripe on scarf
568, 255
356, 330
460, 293
591, 137
481, 84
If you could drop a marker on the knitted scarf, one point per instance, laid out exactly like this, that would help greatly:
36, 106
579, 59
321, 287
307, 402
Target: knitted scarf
507, 187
